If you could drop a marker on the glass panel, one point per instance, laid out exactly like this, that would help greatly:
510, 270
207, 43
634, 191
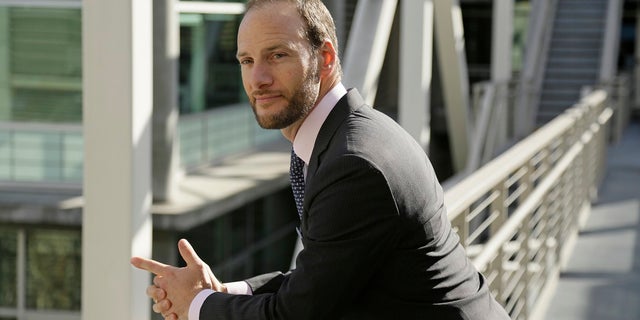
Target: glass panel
51, 153
38, 156
5, 158
54, 269
8, 276
229, 131
73, 156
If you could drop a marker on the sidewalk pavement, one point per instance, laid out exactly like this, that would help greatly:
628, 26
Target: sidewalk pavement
602, 278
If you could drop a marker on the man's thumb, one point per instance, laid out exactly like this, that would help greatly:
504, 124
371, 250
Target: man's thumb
188, 254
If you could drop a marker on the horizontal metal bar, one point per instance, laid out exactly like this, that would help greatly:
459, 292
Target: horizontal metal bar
41, 127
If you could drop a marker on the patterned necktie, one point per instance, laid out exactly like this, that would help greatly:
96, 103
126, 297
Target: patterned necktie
296, 175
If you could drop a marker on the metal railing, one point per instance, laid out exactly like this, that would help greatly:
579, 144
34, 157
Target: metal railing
209, 136
517, 214
620, 90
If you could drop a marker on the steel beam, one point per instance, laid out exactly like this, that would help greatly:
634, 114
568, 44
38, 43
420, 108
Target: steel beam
454, 76
416, 52
166, 43
367, 46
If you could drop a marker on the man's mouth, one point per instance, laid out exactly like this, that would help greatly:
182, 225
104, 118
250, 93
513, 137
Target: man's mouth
266, 98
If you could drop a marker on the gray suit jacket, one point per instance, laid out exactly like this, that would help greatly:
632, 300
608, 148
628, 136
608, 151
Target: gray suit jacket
377, 241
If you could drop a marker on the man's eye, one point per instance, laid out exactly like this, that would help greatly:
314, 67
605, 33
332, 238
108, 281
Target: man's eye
245, 61
278, 55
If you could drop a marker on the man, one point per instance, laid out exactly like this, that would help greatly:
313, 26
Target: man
377, 241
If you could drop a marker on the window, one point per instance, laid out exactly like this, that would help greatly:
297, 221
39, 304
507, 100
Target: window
40, 273
53, 269
8, 264
41, 48
209, 72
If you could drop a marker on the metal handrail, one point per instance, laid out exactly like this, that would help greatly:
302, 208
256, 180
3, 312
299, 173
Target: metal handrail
515, 214
210, 136
51, 154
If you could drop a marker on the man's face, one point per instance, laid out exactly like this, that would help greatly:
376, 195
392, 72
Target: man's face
279, 68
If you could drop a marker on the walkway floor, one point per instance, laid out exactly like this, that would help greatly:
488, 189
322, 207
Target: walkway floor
602, 277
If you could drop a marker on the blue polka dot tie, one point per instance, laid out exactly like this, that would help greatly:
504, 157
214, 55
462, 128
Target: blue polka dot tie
296, 174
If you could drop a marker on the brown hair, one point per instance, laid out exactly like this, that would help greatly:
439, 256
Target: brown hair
317, 18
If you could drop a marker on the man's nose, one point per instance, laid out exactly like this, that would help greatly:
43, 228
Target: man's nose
261, 76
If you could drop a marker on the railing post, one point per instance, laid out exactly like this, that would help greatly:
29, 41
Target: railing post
61, 157
527, 261
205, 140
499, 207
464, 228
500, 270
12, 155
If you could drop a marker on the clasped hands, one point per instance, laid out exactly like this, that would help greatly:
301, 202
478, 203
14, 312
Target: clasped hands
174, 288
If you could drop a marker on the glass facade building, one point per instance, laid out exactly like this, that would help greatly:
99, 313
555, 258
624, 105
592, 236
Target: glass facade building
41, 148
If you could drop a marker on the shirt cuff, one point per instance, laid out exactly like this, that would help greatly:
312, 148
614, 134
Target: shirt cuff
196, 303
238, 287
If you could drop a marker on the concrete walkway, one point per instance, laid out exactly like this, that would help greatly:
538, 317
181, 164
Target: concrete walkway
602, 278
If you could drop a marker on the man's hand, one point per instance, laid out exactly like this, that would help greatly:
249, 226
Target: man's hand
174, 288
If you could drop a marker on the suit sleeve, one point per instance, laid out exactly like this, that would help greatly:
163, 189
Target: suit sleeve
348, 229
266, 283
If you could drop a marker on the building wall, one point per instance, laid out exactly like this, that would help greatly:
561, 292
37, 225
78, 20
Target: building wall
41, 155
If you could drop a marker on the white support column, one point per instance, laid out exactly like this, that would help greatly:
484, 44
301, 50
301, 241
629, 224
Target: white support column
502, 41
501, 63
611, 43
416, 56
117, 90
367, 46
455, 79
166, 157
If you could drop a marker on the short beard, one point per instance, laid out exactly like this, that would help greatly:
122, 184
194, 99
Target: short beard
300, 104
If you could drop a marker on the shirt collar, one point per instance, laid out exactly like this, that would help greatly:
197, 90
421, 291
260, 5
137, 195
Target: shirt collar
306, 137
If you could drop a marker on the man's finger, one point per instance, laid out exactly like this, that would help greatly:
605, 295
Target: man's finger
188, 254
162, 307
156, 293
172, 316
152, 266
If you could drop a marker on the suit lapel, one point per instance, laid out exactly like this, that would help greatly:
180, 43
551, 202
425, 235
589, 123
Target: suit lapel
345, 106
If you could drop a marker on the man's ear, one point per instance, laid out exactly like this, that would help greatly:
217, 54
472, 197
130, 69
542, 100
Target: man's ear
328, 58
